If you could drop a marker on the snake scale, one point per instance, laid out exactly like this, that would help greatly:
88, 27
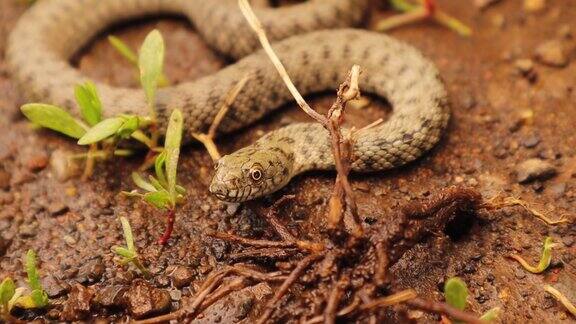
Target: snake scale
313, 40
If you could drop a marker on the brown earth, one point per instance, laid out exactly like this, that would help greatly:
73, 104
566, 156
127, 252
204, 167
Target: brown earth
73, 224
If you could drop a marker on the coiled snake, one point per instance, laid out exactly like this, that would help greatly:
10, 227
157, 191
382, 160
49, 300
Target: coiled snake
316, 55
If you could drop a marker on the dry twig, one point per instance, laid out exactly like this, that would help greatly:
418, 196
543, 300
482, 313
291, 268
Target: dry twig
294, 275
208, 139
445, 309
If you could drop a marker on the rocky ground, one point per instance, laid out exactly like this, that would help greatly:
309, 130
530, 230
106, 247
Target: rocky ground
512, 90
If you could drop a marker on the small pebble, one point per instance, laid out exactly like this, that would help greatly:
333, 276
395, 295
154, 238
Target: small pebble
37, 162
534, 169
520, 273
181, 276
568, 240
531, 141
558, 189
57, 208
534, 5
175, 295
143, 300
551, 53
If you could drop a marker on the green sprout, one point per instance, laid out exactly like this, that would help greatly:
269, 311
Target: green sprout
129, 254
103, 135
162, 191
7, 291
456, 295
38, 298
425, 9
125, 51
544, 259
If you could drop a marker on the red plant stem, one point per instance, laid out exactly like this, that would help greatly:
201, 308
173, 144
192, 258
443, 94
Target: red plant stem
171, 216
430, 6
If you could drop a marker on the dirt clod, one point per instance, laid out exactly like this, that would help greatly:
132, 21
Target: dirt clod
91, 271
54, 287
534, 169
143, 300
77, 306
110, 296
181, 276
551, 53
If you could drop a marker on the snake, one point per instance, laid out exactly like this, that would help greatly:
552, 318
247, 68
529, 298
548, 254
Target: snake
318, 41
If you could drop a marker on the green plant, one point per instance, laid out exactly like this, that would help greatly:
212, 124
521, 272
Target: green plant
544, 259
37, 298
129, 54
129, 254
7, 291
456, 295
418, 11
162, 191
103, 135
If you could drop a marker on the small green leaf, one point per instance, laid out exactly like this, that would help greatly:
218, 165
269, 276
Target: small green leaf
141, 183
181, 190
402, 5
129, 126
151, 63
32, 271
159, 199
159, 164
26, 302
39, 297
172, 149
491, 315
123, 49
54, 118
102, 130
156, 183
456, 293
7, 290
89, 102
128, 234
124, 252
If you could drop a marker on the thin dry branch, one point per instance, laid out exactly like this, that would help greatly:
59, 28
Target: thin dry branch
261, 33
207, 139
445, 309
207, 287
500, 202
331, 311
251, 242
292, 278
223, 291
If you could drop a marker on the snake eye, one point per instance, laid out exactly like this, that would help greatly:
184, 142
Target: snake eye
256, 174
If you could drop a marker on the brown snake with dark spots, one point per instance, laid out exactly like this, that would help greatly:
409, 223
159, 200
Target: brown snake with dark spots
317, 56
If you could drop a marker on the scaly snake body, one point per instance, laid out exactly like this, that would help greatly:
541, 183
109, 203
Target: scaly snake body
315, 57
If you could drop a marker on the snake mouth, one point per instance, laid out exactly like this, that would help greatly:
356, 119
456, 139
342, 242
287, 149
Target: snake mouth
225, 194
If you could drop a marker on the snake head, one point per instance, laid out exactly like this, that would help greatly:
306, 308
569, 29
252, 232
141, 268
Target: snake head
251, 173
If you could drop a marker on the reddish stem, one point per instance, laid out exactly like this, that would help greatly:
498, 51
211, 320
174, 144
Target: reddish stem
430, 6
171, 216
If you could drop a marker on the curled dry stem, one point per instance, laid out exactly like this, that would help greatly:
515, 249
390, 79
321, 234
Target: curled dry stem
501, 202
